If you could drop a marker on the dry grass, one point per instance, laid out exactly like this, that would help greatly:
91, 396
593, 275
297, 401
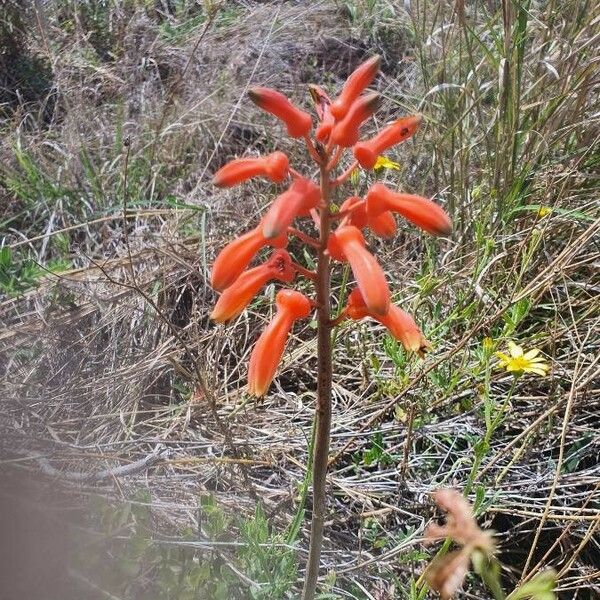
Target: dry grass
115, 358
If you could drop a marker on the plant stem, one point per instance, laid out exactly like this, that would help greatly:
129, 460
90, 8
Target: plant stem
323, 412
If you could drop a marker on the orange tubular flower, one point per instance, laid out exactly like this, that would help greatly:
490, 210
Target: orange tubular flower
234, 258
274, 166
383, 225
358, 80
421, 212
267, 352
240, 293
297, 201
366, 152
345, 132
398, 322
358, 216
297, 121
368, 273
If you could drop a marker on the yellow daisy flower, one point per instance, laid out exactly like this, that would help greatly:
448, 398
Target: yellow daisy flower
519, 362
385, 163
544, 211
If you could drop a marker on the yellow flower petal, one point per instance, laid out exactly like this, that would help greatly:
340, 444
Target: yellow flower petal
383, 162
544, 211
519, 362
536, 371
515, 351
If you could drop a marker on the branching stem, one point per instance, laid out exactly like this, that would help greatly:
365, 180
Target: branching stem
304, 237
304, 271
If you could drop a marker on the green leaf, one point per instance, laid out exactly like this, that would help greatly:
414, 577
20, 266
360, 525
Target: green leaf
541, 587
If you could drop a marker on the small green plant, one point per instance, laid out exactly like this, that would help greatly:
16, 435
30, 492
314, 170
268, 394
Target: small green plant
18, 274
190, 566
267, 558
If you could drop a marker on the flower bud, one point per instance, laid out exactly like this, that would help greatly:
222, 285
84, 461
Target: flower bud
345, 132
242, 291
369, 275
398, 322
274, 166
421, 212
383, 225
236, 256
366, 152
297, 121
269, 348
297, 201
358, 80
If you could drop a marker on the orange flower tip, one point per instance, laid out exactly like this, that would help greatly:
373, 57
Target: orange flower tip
298, 122
258, 95
358, 80
234, 258
444, 229
274, 166
257, 389
296, 304
346, 132
220, 281
217, 317
422, 212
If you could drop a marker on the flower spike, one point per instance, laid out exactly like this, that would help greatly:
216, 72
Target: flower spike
297, 201
398, 322
274, 166
345, 132
421, 212
240, 293
297, 121
368, 273
358, 80
234, 258
366, 152
267, 352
